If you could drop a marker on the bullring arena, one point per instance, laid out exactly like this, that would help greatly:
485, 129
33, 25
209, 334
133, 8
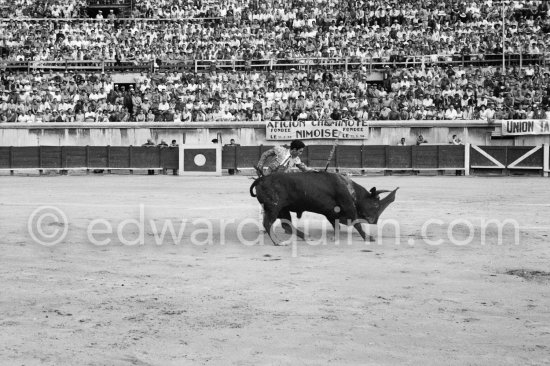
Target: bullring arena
406, 298
132, 131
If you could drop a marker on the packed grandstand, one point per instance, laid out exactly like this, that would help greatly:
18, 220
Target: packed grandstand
244, 60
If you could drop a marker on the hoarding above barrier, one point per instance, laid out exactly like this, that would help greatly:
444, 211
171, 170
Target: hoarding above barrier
526, 127
304, 130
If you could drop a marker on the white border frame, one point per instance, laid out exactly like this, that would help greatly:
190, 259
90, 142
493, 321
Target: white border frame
546, 162
218, 171
523, 157
498, 164
467, 158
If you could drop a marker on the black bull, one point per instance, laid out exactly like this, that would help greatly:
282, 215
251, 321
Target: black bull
336, 197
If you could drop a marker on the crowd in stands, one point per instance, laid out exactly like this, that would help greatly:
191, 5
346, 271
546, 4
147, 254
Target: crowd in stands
178, 9
394, 33
364, 30
43, 8
405, 93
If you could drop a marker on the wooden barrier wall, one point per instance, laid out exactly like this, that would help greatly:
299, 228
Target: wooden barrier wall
88, 157
509, 157
470, 158
366, 157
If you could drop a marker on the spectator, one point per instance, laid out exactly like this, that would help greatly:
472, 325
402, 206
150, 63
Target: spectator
174, 144
455, 140
394, 115
420, 140
336, 115
149, 143
232, 171
451, 113
141, 117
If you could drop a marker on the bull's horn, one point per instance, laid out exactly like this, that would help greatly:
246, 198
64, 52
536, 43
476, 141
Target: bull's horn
385, 202
374, 192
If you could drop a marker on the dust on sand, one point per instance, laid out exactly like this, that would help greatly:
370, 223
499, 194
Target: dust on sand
406, 299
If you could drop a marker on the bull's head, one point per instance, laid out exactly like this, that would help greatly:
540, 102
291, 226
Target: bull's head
371, 207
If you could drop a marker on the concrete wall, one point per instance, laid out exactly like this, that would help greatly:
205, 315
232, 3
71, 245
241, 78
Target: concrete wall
124, 134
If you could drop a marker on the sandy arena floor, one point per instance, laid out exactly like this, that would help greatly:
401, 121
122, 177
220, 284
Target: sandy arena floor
403, 300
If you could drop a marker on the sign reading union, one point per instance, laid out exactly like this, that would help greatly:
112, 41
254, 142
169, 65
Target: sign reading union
526, 127
291, 130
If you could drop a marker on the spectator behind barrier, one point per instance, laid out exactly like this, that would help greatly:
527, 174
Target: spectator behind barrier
149, 143
232, 171
420, 140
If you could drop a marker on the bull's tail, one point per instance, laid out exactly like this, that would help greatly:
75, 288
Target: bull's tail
254, 184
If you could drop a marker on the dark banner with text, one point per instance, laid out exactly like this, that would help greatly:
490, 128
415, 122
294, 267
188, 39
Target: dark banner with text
304, 130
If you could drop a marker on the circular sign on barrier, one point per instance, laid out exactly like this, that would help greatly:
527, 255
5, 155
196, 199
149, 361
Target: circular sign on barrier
199, 160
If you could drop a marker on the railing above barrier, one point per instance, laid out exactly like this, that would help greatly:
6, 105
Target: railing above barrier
235, 124
106, 19
193, 64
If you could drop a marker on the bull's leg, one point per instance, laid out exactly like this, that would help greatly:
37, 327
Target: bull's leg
270, 216
286, 223
336, 226
262, 212
359, 228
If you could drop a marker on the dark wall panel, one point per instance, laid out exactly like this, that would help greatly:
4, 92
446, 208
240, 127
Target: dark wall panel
26, 157
97, 157
229, 154
478, 159
170, 157
119, 157
51, 157
374, 156
533, 160
424, 157
248, 156
146, 157
348, 156
317, 156
399, 157
74, 156
451, 156
5, 157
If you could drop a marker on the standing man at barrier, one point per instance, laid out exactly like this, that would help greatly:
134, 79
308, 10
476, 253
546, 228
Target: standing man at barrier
282, 159
232, 171
174, 144
149, 143
456, 141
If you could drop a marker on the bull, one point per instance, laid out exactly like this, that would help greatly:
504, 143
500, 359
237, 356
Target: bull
338, 198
